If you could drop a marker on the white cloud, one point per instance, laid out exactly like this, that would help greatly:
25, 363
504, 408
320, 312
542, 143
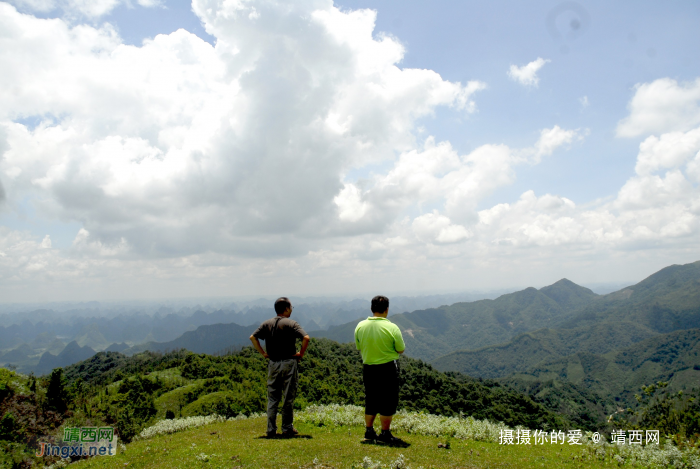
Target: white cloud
179, 147
527, 74
46, 242
662, 106
183, 160
671, 150
584, 102
350, 205
436, 228
551, 139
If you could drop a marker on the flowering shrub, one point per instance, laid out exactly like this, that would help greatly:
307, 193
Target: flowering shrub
165, 427
410, 422
652, 455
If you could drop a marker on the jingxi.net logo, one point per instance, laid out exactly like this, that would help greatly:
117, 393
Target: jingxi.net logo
81, 442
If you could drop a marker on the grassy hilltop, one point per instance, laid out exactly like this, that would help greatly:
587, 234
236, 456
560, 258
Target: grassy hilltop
240, 444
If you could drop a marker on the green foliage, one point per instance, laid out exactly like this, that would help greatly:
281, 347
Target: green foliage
15, 455
108, 367
8, 428
672, 413
224, 403
586, 409
6, 377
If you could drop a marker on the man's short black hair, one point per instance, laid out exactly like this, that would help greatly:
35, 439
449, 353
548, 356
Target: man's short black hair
282, 304
380, 304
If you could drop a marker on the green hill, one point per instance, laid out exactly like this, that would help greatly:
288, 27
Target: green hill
432, 333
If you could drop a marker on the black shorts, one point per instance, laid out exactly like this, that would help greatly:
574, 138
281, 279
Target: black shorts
381, 388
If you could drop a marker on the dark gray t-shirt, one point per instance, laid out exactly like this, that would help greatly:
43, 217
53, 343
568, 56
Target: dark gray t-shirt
280, 335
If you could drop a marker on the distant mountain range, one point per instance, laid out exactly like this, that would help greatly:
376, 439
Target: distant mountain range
26, 336
668, 300
72, 353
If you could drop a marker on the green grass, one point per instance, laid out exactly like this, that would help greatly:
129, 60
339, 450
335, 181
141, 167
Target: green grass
241, 444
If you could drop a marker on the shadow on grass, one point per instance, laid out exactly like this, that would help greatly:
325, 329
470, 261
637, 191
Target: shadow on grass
397, 444
284, 437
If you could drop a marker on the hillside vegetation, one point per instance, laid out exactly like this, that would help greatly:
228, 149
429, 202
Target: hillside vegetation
620, 374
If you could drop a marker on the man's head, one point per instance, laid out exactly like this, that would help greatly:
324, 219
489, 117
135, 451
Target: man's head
380, 304
282, 305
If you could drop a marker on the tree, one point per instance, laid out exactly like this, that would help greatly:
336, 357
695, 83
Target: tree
56, 394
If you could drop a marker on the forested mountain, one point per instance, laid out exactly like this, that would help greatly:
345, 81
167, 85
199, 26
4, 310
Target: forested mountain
205, 339
435, 332
666, 301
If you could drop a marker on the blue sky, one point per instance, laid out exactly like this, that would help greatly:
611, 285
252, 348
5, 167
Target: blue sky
351, 202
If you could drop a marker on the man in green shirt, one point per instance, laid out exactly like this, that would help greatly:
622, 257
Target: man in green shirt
380, 342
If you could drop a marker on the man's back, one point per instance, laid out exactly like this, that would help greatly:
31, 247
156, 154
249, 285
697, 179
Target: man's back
280, 335
379, 340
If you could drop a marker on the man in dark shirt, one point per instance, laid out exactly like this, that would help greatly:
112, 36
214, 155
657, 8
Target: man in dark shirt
280, 335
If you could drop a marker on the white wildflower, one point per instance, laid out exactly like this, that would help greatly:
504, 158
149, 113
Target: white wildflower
165, 427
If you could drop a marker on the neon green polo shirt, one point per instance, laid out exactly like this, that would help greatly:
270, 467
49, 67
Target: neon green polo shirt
378, 340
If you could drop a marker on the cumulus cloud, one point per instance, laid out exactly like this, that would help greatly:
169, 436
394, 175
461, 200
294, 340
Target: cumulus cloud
551, 139
180, 159
663, 105
211, 148
527, 74
436, 228
671, 150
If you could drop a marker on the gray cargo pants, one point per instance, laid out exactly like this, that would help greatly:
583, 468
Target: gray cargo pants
282, 379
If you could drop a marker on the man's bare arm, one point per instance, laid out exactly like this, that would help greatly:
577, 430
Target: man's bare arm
304, 345
258, 347
399, 351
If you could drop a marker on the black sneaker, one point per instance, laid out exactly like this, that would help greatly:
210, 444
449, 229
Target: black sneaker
370, 434
291, 433
272, 434
387, 438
